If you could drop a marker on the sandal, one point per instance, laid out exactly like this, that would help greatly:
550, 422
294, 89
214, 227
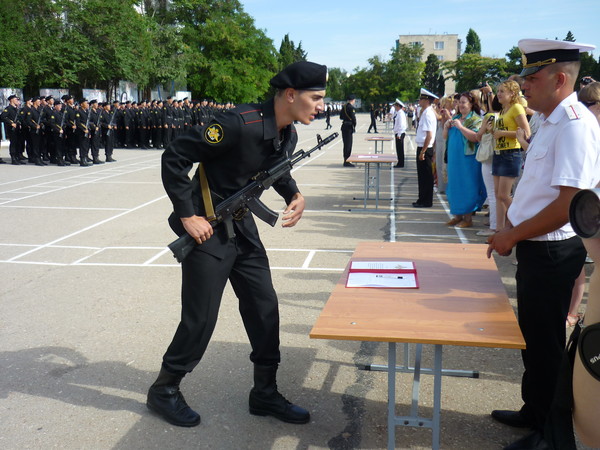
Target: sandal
454, 221
572, 320
465, 224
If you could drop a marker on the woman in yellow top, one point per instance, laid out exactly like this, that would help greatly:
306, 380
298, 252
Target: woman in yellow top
506, 163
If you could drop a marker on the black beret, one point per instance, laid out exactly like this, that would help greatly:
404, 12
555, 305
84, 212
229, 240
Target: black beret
302, 75
83, 100
351, 97
66, 97
10, 97
49, 98
93, 101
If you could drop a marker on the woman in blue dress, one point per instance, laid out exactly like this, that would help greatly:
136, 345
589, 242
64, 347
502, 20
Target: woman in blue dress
465, 190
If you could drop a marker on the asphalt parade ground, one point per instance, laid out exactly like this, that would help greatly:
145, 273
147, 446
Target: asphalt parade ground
89, 301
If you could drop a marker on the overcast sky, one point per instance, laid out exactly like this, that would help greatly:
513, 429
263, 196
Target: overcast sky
347, 33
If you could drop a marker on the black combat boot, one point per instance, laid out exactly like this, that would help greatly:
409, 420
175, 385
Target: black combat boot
166, 400
265, 399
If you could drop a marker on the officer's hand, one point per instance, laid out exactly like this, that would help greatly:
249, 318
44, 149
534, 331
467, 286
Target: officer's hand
293, 212
197, 227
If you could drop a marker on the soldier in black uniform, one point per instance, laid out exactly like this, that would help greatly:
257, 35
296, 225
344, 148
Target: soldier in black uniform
348, 127
95, 132
129, 124
10, 119
70, 130
82, 131
56, 135
233, 148
33, 124
108, 120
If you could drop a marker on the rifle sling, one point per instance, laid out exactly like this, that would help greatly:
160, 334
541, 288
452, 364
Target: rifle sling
206, 197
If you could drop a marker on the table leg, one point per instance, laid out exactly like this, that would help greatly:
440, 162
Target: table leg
391, 396
437, 397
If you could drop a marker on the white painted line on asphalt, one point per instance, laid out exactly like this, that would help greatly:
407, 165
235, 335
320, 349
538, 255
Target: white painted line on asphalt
308, 259
90, 227
74, 208
155, 257
463, 238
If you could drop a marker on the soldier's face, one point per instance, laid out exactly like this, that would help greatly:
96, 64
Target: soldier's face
306, 105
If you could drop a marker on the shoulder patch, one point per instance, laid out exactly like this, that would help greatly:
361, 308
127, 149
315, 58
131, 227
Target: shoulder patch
5, 110
252, 116
213, 134
574, 111
77, 115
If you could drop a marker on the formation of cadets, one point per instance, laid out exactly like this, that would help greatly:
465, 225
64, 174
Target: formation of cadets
49, 131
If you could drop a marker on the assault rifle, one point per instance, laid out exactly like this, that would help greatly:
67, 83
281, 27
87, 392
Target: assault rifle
246, 199
61, 130
88, 135
110, 123
39, 123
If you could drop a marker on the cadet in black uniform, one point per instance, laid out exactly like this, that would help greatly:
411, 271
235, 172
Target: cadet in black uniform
32, 121
233, 148
82, 131
348, 127
95, 132
10, 118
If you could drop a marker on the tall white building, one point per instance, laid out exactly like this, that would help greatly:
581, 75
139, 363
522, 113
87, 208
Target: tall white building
445, 46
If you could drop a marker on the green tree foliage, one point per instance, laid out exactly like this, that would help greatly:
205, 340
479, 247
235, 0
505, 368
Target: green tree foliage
433, 77
403, 72
569, 37
228, 58
473, 43
514, 62
471, 70
289, 53
336, 83
13, 45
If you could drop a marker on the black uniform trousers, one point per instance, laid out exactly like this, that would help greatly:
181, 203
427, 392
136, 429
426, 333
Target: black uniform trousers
373, 125
546, 273
204, 279
400, 149
347, 130
425, 177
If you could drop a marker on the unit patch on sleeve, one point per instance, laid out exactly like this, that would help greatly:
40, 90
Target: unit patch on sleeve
213, 134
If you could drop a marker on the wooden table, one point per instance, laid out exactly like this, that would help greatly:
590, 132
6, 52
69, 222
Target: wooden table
380, 140
460, 301
368, 160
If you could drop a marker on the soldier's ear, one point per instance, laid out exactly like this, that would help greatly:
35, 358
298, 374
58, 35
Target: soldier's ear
290, 94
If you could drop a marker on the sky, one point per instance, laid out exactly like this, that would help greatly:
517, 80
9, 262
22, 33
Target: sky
347, 33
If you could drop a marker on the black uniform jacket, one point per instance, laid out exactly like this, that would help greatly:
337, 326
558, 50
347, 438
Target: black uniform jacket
233, 148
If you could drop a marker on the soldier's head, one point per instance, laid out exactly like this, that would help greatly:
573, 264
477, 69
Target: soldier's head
83, 103
13, 100
58, 106
300, 92
50, 100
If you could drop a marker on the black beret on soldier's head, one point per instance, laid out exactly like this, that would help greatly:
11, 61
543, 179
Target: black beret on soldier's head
301, 75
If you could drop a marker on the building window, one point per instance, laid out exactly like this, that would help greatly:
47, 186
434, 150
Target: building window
439, 45
416, 43
440, 57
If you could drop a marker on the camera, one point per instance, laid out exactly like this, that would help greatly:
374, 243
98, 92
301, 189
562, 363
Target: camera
584, 213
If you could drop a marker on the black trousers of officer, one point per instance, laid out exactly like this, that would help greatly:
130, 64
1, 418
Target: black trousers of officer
372, 125
400, 149
203, 280
13, 147
84, 145
109, 142
546, 273
33, 146
347, 130
425, 177
95, 143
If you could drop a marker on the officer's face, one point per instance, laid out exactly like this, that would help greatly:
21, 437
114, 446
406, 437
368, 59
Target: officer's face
307, 104
538, 89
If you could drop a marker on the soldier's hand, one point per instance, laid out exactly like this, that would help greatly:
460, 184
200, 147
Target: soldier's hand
197, 227
293, 212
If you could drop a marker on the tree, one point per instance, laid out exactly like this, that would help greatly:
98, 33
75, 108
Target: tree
13, 45
289, 53
514, 60
433, 78
473, 43
228, 58
336, 84
471, 70
403, 74
569, 37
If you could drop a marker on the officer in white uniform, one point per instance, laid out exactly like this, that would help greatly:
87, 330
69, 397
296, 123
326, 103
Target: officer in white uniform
563, 158
424, 139
399, 131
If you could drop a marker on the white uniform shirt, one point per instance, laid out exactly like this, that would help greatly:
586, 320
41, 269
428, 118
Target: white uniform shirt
564, 152
399, 122
427, 122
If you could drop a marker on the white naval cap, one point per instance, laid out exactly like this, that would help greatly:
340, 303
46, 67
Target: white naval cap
538, 53
426, 93
399, 102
